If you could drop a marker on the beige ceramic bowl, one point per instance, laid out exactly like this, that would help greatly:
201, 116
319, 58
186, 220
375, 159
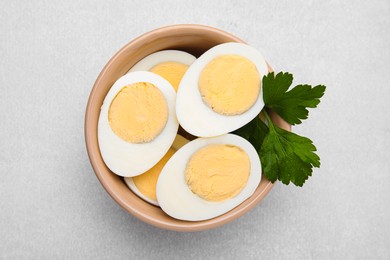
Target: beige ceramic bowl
194, 39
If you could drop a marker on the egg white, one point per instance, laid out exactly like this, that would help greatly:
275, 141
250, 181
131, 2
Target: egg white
177, 200
156, 58
179, 142
194, 115
129, 159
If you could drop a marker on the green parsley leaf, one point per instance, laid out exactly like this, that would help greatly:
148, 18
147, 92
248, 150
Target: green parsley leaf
290, 105
286, 156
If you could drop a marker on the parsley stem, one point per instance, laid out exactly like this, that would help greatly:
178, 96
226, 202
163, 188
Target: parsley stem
270, 124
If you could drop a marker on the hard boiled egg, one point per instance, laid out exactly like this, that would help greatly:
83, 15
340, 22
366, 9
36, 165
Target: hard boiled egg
169, 64
144, 185
221, 90
208, 177
137, 123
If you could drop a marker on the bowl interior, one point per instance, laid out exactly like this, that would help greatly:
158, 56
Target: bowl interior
194, 39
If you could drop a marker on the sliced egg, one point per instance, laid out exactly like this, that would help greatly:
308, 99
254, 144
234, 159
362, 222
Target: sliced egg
137, 123
208, 177
221, 90
169, 64
144, 185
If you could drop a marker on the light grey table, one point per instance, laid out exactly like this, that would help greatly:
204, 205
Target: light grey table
51, 203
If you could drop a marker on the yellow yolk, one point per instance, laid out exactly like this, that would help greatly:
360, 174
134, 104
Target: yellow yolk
171, 71
229, 84
218, 172
138, 113
146, 182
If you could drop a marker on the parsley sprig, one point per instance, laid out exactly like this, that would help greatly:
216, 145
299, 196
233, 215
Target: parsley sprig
284, 155
290, 105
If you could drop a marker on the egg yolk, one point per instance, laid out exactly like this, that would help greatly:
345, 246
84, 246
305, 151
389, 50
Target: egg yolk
138, 113
229, 84
171, 71
217, 172
147, 182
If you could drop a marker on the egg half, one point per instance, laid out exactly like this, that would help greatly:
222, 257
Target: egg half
221, 91
137, 123
144, 185
169, 64
208, 177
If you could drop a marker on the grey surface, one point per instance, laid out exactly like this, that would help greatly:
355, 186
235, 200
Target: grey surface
51, 203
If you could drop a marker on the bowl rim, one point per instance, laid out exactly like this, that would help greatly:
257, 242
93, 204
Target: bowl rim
89, 140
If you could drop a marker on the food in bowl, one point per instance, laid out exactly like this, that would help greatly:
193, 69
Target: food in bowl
218, 93
137, 126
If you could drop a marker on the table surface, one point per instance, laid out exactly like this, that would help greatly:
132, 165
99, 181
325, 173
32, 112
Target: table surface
52, 205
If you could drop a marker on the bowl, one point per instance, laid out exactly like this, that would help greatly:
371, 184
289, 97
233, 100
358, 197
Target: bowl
194, 39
